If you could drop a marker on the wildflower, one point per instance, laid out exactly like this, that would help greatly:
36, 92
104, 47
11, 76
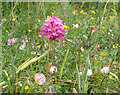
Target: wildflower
92, 28
53, 29
85, 13
105, 70
93, 12
82, 49
77, 40
26, 39
40, 36
113, 46
83, 19
24, 44
47, 92
52, 13
28, 82
38, 46
74, 12
89, 72
81, 11
53, 69
110, 77
9, 34
46, 45
66, 27
74, 90
38, 20
26, 87
29, 30
14, 16
6, 30
80, 73
92, 18
85, 36
41, 77
75, 25
102, 27
12, 41
32, 46
3, 19
47, 16
116, 46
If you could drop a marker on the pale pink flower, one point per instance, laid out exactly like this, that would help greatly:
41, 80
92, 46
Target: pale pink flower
26, 39
53, 29
12, 41
23, 46
24, 43
74, 90
28, 82
41, 78
89, 72
53, 69
105, 70
46, 45
32, 46
9, 34
80, 73
47, 92
9, 42
85, 36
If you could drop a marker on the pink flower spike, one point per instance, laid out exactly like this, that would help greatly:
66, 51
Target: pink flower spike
41, 77
53, 69
105, 70
53, 29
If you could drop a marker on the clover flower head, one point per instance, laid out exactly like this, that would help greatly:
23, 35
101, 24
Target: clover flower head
41, 78
53, 69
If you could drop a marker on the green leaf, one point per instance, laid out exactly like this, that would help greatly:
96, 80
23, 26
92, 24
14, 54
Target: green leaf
47, 67
103, 53
61, 71
78, 79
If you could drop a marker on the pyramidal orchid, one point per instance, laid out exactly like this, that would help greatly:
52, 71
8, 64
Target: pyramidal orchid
53, 29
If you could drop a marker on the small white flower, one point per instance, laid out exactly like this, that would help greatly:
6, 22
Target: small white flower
105, 70
80, 73
113, 46
89, 72
75, 25
108, 32
93, 31
82, 49
85, 36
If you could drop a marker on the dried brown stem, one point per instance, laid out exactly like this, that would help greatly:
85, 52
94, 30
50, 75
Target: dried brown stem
88, 85
100, 30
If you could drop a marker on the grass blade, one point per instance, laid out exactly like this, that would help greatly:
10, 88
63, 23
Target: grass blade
61, 71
